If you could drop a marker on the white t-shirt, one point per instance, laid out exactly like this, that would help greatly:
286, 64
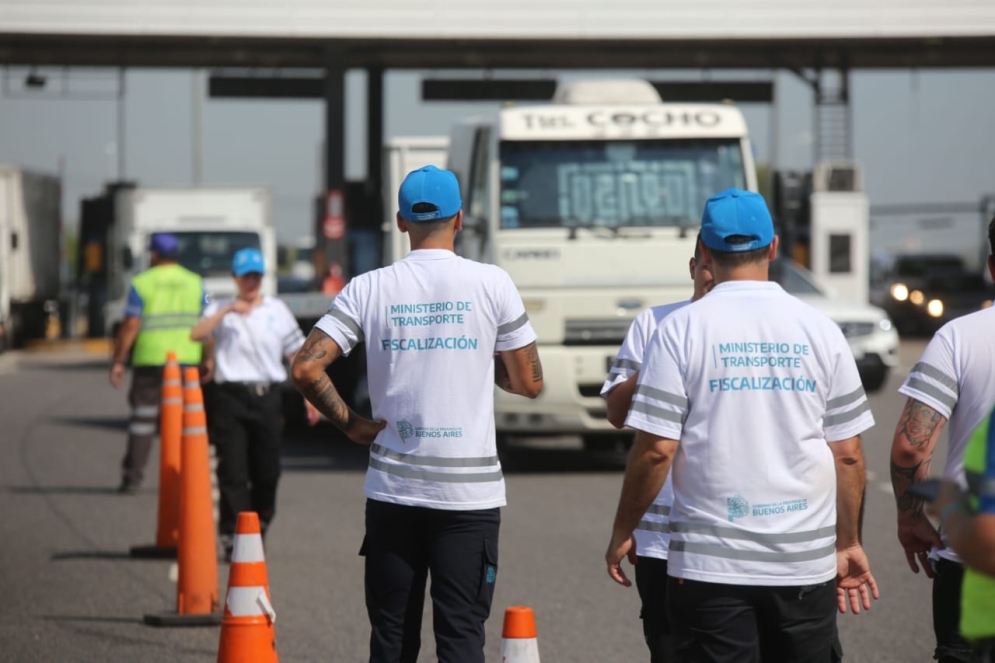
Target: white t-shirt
653, 532
432, 323
752, 382
955, 377
251, 347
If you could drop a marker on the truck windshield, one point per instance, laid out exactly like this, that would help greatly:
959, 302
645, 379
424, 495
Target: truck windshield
209, 253
614, 183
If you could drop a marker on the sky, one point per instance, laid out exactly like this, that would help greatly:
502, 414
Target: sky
923, 136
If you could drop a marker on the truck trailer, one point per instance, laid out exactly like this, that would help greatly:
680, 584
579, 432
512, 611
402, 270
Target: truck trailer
30, 254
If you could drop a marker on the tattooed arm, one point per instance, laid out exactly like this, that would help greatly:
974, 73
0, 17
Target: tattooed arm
523, 369
310, 378
911, 454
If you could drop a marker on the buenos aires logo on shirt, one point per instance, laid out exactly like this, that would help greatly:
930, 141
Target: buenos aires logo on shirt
405, 430
738, 507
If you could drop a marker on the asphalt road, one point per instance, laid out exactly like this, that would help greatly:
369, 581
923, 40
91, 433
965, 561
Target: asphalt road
69, 591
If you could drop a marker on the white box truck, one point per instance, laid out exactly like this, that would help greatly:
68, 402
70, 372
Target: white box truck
212, 224
592, 204
30, 253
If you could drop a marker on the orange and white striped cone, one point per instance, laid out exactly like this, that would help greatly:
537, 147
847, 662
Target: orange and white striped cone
519, 642
247, 632
197, 556
170, 440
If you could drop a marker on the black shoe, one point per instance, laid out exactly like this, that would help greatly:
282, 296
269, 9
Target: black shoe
127, 488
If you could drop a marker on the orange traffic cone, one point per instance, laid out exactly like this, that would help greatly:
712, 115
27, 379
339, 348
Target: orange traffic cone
197, 586
247, 632
170, 436
519, 643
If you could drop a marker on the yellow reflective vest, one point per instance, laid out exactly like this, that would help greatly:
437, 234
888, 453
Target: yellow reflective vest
172, 298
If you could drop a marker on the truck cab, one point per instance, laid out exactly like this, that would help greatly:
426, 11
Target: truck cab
592, 204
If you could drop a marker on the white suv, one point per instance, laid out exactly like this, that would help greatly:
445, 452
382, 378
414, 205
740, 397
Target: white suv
873, 338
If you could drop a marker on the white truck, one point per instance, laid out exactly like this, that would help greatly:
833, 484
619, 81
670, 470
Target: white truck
211, 224
30, 254
592, 204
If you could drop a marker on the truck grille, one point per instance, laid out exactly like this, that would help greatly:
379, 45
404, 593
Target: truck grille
856, 329
595, 332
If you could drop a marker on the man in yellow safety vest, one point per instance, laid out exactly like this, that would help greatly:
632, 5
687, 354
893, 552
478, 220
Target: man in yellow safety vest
164, 303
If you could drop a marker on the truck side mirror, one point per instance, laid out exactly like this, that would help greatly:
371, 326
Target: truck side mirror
127, 260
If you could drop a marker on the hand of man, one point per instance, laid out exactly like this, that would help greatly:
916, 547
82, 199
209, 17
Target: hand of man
918, 536
241, 306
364, 431
117, 374
618, 549
854, 582
206, 371
313, 415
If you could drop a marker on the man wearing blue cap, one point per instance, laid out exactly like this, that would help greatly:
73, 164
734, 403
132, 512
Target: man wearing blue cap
440, 331
761, 421
164, 303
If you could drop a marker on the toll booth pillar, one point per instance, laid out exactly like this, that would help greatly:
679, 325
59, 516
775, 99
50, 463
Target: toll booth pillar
840, 230
332, 223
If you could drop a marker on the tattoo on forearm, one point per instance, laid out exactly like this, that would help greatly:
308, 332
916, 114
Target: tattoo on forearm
902, 478
918, 423
323, 395
533, 359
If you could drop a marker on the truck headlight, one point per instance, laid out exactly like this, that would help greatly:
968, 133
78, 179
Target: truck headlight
884, 324
916, 297
900, 292
934, 308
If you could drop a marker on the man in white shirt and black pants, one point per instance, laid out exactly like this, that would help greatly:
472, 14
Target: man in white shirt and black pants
755, 399
653, 532
432, 324
953, 382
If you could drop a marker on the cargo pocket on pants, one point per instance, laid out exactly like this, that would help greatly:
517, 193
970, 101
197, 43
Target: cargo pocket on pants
488, 578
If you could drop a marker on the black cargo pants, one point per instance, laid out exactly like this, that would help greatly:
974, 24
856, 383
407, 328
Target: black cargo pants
403, 545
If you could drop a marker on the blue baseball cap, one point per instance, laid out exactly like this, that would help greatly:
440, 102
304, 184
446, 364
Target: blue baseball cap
733, 213
432, 186
247, 261
165, 244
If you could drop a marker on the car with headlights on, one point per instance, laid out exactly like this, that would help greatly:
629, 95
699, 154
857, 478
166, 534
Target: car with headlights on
868, 329
923, 292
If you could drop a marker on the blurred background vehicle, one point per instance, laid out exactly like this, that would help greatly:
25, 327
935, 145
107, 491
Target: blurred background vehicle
868, 329
922, 292
30, 255
211, 224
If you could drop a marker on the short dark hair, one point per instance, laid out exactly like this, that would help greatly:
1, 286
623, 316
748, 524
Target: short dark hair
991, 235
697, 247
733, 259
